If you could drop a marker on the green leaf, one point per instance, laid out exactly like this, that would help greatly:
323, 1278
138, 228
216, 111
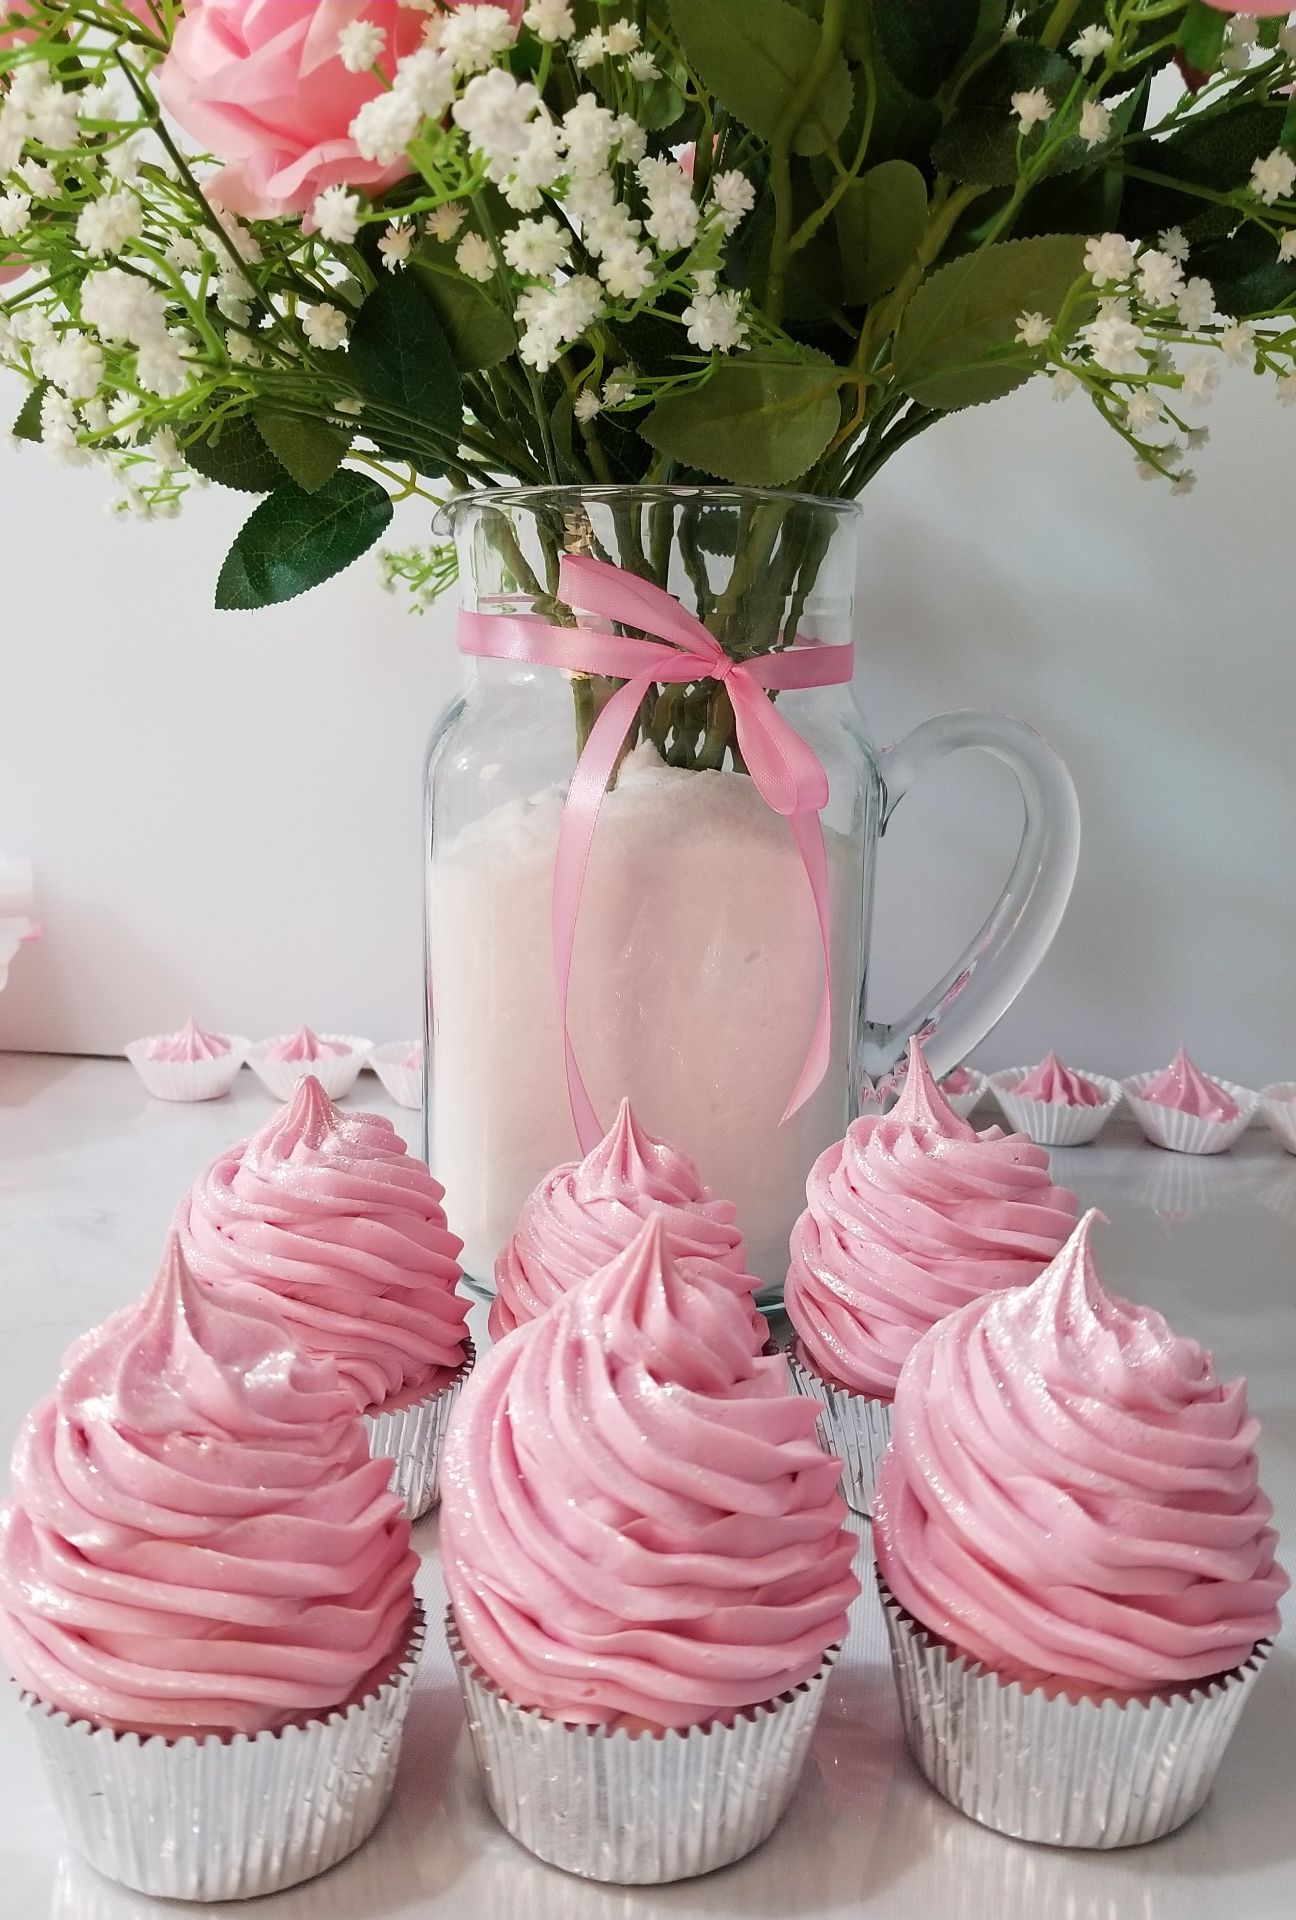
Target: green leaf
755, 67
233, 454
759, 423
1249, 279
922, 41
294, 540
956, 347
880, 220
28, 424
309, 450
479, 332
401, 358
1201, 36
979, 140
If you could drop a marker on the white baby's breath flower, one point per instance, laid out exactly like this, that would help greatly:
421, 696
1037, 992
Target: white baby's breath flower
241, 350
385, 125
40, 181
336, 216
1287, 245
475, 257
494, 111
1116, 343
1090, 45
75, 365
631, 140
106, 225
443, 223
1143, 410
1012, 25
589, 134
1287, 390
123, 163
1032, 108
1201, 376
1033, 329
587, 404
1095, 123
1235, 57
183, 253
165, 449
54, 118
1243, 31
1195, 305
1273, 176
1108, 257
535, 167
1196, 438
550, 20
589, 51
643, 68
622, 37
359, 45
1237, 343
428, 78
1287, 39
160, 365
1173, 242
325, 326
537, 247
715, 322
735, 196
122, 307
626, 270
395, 244
472, 36
618, 388
1160, 278
1184, 482
15, 214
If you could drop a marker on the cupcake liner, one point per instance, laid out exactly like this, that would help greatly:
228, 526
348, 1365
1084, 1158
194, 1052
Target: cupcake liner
854, 1426
187, 1079
227, 1818
1189, 1132
404, 1084
1037, 1765
1051, 1123
412, 1438
1278, 1106
637, 1809
337, 1073
966, 1104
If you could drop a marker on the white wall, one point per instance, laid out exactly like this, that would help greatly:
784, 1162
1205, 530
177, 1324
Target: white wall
224, 810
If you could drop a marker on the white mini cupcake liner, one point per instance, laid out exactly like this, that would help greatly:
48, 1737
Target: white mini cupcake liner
337, 1073
404, 1084
1278, 1106
854, 1426
1189, 1132
1052, 1123
638, 1809
413, 1437
228, 1818
1039, 1765
966, 1104
187, 1079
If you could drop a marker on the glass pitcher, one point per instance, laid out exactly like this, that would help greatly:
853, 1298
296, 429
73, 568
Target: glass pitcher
698, 966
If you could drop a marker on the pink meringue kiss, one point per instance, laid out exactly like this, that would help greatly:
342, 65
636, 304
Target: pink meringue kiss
586, 1212
1054, 1106
189, 1065
400, 1068
1180, 1108
964, 1089
334, 1058
198, 1540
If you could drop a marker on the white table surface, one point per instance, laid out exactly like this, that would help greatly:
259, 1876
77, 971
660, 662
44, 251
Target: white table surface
90, 1169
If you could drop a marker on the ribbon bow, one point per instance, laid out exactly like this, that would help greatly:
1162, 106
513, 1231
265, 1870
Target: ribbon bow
784, 769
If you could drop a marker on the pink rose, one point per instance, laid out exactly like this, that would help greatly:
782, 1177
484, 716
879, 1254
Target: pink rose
260, 83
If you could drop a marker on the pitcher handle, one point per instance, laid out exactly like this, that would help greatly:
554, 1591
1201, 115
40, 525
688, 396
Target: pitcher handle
990, 973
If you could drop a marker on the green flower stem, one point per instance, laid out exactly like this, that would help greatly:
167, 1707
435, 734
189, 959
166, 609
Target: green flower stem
830, 39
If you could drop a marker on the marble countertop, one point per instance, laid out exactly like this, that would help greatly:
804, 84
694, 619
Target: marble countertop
90, 1169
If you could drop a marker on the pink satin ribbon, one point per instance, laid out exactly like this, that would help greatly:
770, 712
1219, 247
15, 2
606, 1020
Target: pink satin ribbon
784, 769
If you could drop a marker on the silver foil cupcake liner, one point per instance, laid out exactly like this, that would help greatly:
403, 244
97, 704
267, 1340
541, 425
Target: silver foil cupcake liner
1039, 1765
1278, 1105
1189, 1132
637, 1809
1051, 1123
228, 1818
854, 1426
413, 1438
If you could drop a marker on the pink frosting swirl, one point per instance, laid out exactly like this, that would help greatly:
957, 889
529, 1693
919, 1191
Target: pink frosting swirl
1070, 1491
1055, 1083
636, 1517
585, 1213
306, 1044
328, 1219
1182, 1086
913, 1214
191, 1043
198, 1539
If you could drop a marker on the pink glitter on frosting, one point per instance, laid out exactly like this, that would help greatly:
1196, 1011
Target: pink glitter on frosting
1055, 1083
305, 1044
1183, 1087
191, 1043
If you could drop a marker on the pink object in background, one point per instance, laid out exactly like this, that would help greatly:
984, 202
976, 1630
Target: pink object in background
306, 1044
192, 1042
1055, 1083
1185, 1088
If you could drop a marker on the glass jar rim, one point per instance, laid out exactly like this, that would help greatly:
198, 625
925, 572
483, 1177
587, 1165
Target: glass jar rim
722, 493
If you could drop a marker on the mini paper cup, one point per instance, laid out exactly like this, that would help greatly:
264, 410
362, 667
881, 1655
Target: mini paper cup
404, 1084
228, 1818
337, 1073
1189, 1132
854, 1426
1039, 1765
637, 1809
1051, 1123
1278, 1106
187, 1079
412, 1437
966, 1104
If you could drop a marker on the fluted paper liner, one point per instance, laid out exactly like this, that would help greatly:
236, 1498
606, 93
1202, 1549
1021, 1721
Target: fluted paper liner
403, 1083
1038, 1765
637, 1809
228, 1818
187, 1079
854, 1426
337, 1073
413, 1437
1052, 1123
1189, 1132
1278, 1105
966, 1104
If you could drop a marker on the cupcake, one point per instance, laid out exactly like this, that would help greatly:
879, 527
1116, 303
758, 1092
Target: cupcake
334, 1058
325, 1218
1278, 1106
1054, 1106
585, 1213
189, 1065
1076, 1561
1182, 1109
399, 1065
648, 1574
963, 1090
913, 1214
206, 1595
